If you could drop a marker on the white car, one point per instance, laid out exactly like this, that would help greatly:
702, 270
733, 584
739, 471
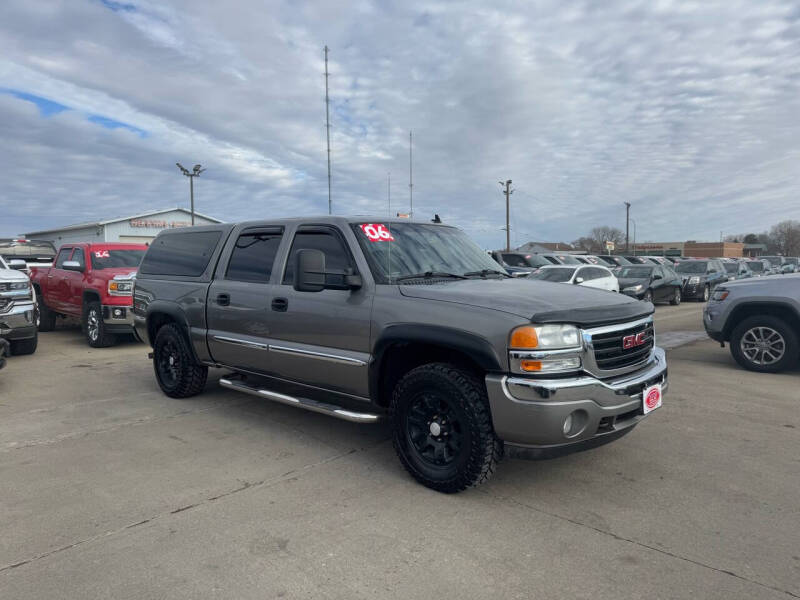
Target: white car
594, 276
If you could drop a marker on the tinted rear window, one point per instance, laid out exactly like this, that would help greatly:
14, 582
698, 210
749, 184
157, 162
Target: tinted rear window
185, 254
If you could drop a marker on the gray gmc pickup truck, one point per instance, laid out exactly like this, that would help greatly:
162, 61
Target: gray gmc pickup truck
369, 319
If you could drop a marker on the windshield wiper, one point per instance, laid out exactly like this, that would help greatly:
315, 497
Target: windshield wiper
485, 272
430, 275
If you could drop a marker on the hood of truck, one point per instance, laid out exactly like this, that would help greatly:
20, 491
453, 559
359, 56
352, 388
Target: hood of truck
539, 301
12, 275
118, 272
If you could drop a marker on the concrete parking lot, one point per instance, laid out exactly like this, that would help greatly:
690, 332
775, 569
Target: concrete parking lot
112, 490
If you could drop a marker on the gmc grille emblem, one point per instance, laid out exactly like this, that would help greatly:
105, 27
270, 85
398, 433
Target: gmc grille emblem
632, 341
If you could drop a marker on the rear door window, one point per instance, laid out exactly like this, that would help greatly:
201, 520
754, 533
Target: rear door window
182, 254
253, 256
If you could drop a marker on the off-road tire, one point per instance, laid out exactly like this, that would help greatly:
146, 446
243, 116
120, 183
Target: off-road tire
95, 328
22, 347
676, 297
182, 377
791, 347
465, 396
47, 318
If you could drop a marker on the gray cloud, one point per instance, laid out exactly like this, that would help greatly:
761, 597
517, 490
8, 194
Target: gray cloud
685, 109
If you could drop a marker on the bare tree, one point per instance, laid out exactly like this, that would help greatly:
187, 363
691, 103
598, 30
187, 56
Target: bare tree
589, 244
604, 234
785, 237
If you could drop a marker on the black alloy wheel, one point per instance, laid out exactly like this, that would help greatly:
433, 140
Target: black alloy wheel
648, 296
676, 297
177, 372
434, 431
442, 428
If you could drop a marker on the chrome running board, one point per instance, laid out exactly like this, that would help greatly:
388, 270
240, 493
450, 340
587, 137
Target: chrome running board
235, 382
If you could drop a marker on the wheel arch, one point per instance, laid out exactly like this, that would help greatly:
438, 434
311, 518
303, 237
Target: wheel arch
90, 295
403, 347
780, 310
160, 314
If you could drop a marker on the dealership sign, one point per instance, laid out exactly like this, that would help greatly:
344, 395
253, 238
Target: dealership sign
158, 224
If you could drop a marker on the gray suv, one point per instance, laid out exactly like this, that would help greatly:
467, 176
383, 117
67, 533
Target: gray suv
760, 318
365, 320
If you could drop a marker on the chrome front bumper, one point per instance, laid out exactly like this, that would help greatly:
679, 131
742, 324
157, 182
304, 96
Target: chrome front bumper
531, 412
17, 322
114, 322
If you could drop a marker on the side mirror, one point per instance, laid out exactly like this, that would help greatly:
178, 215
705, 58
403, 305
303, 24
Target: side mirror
654, 277
311, 274
72, 265
309, 271
17, 264
579, 280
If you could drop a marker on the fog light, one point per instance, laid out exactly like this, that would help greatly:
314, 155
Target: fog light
575, 423
568, 424
118, 313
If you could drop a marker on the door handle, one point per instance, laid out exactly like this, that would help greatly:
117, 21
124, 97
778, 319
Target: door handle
223, 299
280, 304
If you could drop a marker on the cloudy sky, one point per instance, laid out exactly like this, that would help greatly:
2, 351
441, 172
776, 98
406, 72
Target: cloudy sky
688, 110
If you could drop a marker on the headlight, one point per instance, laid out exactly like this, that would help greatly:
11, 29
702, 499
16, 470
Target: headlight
633, 288
545, 337
545, 349
694, 280
15, 285
120, 288
719, 294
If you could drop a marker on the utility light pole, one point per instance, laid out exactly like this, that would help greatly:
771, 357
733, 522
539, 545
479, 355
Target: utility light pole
634, 236
195, 172
410, 180
627, 223
508, 191
328, 130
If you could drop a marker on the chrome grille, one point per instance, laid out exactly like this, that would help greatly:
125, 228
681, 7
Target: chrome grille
609, 353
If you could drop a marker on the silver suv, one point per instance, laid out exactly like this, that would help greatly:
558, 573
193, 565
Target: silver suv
760, 318
370, 319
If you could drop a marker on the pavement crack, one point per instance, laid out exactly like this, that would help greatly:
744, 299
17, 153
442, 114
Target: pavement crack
621, 538
10, 446
293, 474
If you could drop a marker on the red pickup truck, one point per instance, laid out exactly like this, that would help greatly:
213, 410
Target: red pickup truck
93, 282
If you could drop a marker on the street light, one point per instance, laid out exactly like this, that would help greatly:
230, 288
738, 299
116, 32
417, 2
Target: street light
195, 172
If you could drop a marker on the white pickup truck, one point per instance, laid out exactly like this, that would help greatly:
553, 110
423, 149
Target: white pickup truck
17, 310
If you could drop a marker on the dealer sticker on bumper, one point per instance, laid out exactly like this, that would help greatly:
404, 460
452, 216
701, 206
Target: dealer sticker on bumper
651, 398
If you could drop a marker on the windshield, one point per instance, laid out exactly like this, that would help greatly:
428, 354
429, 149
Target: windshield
635, 272
112, 259
567, 259
731, 267
774, 260
401, 249
553, 274
616, 261
755, 265
691, 267
515, 260
791, 260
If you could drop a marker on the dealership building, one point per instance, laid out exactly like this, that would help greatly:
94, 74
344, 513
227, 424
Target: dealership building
136, 229
691, 248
